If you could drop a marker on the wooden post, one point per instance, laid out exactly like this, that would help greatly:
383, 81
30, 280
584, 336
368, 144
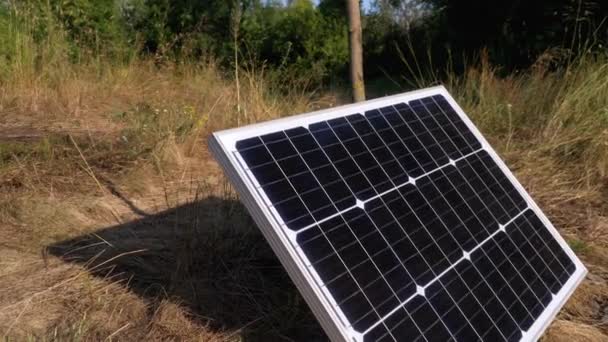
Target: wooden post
356, 51
236, 24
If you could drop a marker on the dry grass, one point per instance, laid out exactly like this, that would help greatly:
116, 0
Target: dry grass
552, 128
566, 331
116, 224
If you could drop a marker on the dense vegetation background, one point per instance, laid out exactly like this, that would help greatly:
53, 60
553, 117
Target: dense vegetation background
116, 223
410, 38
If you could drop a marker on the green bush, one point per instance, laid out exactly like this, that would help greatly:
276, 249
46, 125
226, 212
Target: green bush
299, 36
94, 26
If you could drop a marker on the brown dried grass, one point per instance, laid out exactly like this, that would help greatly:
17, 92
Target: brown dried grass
125, 229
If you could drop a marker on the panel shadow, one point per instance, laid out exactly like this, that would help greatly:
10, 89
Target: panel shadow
208, 256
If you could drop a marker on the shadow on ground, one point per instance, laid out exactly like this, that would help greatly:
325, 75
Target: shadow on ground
208, 256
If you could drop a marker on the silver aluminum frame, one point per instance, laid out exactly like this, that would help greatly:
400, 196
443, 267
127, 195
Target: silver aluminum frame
282, 240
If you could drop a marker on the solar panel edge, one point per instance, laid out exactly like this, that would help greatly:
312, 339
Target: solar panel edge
297, 272
543, 322
230, 136
545, 319
320, 305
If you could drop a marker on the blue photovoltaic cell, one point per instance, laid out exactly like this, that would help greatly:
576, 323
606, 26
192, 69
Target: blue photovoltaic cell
410, 225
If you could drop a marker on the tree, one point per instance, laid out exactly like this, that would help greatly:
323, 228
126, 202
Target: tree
195, 27
356, 51
515, 33
299, 37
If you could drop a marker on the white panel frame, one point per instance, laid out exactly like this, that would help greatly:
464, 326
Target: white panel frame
282, 240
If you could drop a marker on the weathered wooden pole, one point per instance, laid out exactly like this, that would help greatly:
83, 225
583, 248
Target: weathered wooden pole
356, 51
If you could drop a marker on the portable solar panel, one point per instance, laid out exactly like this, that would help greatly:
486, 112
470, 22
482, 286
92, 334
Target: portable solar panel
398, 222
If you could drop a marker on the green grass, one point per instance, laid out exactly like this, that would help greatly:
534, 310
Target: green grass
578, 246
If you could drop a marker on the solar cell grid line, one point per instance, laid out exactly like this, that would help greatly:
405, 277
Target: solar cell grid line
430, 235
515, 284
474, 296
367, 169
462, 136
475, 283
290, 183
503, 262
449, 127
380, 152
541, 245
433, 308
438, 277
303, 242
429, 121
546, 270
426, 160
551, 251
535, 303
358, 285
365, 248
332, 129
528, 272
445, 128
332, 165
475, 215
411, 180
530, 289
477, 310
458, 122
369, 177
526, 262
525, 239
422, 104
442, 252
463, 225
381, 274
515, 204
504, 321
497, 269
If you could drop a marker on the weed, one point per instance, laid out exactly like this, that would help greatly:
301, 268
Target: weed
578, 246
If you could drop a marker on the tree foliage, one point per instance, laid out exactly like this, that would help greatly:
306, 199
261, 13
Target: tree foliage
299, 35
196, 27
516, 32
312, 37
